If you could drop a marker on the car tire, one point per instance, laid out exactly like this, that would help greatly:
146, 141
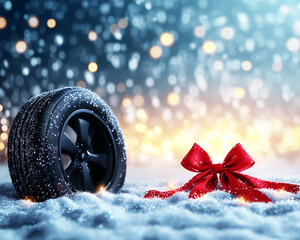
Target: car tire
65, 141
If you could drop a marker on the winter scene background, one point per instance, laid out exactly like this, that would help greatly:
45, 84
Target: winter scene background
174, 73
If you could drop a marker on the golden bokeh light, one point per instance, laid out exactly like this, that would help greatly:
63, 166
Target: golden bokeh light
155, 52
126, 102
4, 128
173, 99
209, 47
4, 136
93, 67
21, 47
3, 23
33, 22
2, 146
123, 23
51, 23
239, 92
92, 36
290, 141
142, 115
157, 130
147, 148
1, 107
150, 134
141, 127
167, 39
146, 140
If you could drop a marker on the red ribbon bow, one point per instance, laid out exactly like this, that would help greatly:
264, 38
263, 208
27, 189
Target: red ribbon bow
232, 181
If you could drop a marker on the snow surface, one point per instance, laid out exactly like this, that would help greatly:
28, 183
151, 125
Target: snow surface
127, 216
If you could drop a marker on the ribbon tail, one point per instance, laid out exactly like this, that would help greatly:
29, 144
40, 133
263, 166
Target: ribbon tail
235, 186
204, 185
159, 194
259, 183
185, 187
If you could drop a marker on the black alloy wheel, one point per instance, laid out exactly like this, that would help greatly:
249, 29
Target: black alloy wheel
87, 151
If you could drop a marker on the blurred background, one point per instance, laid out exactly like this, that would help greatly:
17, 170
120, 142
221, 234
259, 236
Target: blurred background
174, 72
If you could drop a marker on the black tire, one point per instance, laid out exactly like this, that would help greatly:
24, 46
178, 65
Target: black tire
65, 141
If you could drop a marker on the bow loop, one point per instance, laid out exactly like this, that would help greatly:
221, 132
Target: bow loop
238, 159
197, 160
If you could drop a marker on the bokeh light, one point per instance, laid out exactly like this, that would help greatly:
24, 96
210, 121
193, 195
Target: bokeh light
173, 99
126, 102
246, 66
167, 39
114, 28
4, 136
239, 92
227, 33
33, 22
51, 23
2, 23
123, 23
209, 47
218, 65
92, 36
155, 52
4, 128
277, 66
199, 31
2, 146
138, 100
21, 46
284, 9
293, 44
93, 67
142, 115
81, 83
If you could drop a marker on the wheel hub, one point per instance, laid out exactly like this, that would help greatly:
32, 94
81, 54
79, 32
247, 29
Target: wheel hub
82, 155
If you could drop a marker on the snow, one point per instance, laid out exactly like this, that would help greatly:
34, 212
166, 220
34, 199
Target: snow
126, 215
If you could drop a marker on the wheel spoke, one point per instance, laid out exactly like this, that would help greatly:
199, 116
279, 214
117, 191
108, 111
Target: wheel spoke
99, 159
87, 183
72, 167
84, 132
68, 146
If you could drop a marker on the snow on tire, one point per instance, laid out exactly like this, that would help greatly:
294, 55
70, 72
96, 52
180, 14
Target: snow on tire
64, 141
